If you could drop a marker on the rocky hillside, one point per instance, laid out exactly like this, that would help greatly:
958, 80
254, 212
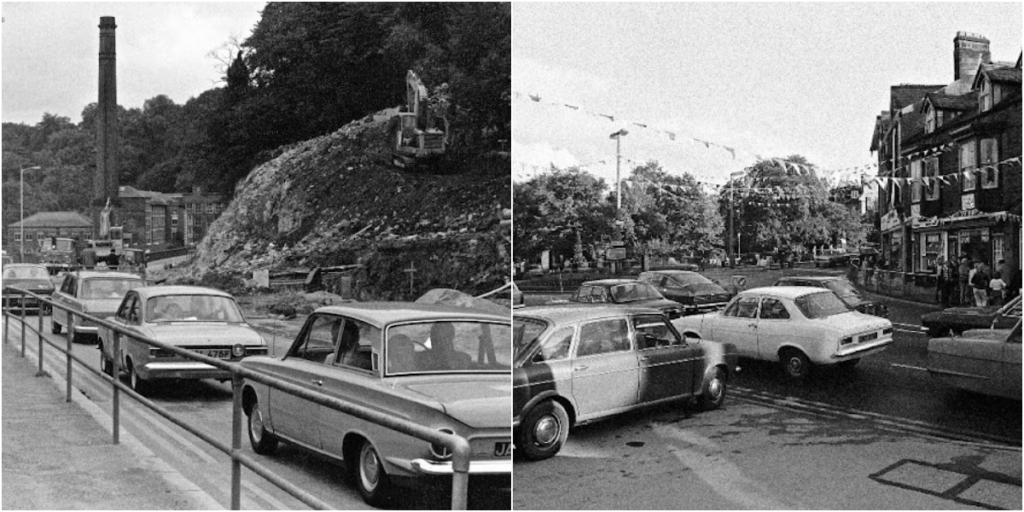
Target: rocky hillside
336, 200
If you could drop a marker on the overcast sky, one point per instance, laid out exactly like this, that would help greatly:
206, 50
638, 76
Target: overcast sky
51, 52
768, 79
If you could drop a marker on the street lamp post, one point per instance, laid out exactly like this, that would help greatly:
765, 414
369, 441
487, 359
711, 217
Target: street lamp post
618, 159
21, 200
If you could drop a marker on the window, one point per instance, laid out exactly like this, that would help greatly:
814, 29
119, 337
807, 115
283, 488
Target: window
931, 248
915, 178
931, 171
998, 248
317, 343
743, 307
356, 345
17, 236
967, 166
209, 207
773, 309
603, 337
988, 162
652, 331
985, 96
556, 347
929, 121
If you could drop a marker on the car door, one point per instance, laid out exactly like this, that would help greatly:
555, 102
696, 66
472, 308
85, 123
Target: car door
549, 367
305, 365
65, 297
351, 375
774, 327
738, 325
666, 363
1011, 364
605, 374
128, 317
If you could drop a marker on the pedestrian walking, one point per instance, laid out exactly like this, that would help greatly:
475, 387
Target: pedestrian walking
945, 281
964, 275
979, 282
940, 278
997, 290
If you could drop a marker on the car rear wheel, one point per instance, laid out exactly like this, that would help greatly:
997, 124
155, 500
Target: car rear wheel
263, 442
371, 478
795, 364
543, 431
713, 395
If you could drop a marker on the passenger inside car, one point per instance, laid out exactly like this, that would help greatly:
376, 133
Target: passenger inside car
442, 354
401, 354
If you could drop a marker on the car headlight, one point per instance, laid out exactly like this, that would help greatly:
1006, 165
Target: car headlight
238, 350
440, 451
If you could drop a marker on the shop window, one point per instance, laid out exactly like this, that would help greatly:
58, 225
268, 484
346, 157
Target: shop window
998, 249
932, 248
931, 171
967, 165
988, 162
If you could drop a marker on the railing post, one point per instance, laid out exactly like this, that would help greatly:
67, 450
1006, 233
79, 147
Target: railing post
460, 475
7, 319
236, 441
115, 363
22, 313
68, 377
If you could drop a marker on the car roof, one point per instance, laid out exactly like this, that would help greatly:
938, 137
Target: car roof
89, 274
811, 278
608, 282
147, 292
38, 265
385, 313
673, 272
789, 292
573, 314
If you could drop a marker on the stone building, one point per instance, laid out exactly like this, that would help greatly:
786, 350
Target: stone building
42, 226
949, 159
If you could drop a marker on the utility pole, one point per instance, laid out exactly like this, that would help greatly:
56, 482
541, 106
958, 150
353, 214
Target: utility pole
732, 206
21, 201
618, 161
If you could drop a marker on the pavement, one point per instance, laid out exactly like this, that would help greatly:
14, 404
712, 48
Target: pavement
59, 455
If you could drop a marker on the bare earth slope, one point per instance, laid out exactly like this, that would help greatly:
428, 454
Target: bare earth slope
335, 200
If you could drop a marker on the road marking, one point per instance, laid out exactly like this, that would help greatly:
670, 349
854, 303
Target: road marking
965, 485
907, 326
918, 332
908, 367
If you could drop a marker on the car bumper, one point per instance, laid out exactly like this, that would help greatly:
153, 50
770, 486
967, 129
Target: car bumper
429, 467
701, 308
189, 370
861, 350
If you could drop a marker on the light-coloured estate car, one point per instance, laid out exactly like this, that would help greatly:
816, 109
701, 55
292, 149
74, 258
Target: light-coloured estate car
202, 320
578, 364
799, 326
30, 277
96, 293
441, 366
986, 361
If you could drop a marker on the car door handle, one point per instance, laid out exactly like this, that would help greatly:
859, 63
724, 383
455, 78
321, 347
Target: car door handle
318, 382
579, 368
753, 325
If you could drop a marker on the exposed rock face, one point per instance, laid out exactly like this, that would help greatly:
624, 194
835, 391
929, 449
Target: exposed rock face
336, 200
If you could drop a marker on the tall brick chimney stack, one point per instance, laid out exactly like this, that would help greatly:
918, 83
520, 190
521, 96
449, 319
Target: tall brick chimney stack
969, 50
105, 182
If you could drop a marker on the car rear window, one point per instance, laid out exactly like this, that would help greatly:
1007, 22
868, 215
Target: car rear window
108, 288
634, 292
448, 347
820, 305
26, 273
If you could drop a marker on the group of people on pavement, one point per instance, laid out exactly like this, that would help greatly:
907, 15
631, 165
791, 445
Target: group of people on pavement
975, 281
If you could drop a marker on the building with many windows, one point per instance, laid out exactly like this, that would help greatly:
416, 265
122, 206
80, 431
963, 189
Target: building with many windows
949, 161
157, 220
39, 228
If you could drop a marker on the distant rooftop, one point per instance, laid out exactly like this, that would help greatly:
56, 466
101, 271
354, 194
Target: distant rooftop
54, 220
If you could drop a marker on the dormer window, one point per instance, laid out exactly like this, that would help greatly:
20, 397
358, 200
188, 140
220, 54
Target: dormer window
985, 97
929, 121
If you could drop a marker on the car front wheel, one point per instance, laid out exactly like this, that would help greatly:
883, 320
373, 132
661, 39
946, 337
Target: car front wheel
138, 384
795, 364
106, 365
372, 479
543, 431
713, 395
263, 442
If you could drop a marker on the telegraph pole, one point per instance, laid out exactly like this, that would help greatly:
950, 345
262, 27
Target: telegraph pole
618, 161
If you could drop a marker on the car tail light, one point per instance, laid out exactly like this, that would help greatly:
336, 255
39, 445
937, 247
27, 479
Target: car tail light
887, 330
440, 451
846, 341
238, 350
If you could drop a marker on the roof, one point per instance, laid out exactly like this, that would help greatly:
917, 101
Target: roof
672, 272
608, 282
563, 314
126, 192
788, 292
54, 220
385, 313
906, 94
147, 292
811, 278
950, 102
1004, 75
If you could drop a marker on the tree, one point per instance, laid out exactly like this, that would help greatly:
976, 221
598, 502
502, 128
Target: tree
549, 211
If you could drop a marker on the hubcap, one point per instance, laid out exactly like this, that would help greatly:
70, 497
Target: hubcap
256, 423
546, 430
715, 389
369, 468
795, 366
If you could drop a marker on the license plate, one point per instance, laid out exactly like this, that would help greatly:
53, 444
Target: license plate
503, 449
869, 337
217, 353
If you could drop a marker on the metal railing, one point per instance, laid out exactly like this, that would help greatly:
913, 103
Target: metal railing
458, 445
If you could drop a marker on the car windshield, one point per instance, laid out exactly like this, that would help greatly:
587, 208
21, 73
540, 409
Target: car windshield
26, 273
448, 347
192, 308
108, 288
525, 332
842, 288
633, 292
690, 279
820, 305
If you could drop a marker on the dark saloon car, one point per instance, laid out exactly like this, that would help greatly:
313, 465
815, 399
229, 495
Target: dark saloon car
843, 288
695, 292
574, 365
960, 319
30, 277
985, 361
625, 291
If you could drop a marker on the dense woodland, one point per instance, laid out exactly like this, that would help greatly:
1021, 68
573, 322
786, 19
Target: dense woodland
306, 70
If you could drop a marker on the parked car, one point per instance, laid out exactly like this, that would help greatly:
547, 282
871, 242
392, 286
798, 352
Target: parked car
535, 270
832, 258
957, 320
441, 366
843, 289
625, 291
985, 361
93, 292
29, 277
574, 365
695, 292
202, 320
798, 326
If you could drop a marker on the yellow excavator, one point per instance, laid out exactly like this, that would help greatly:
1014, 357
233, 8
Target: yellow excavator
419, 137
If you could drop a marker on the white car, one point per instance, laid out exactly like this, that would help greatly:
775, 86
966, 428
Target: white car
798, 326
